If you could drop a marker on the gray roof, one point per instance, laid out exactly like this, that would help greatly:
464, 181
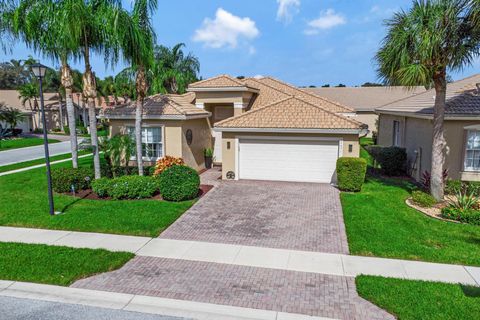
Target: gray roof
366, 98
463, 99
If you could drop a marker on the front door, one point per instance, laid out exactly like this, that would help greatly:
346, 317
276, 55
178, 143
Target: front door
219, 113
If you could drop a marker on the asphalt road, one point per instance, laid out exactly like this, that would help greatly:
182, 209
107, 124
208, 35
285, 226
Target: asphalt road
26, 309
31, 153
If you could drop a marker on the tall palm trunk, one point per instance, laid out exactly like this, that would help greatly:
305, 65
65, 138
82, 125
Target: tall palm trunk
90, 93
60, 110
438, 145
67, 82
141, 84
84, 114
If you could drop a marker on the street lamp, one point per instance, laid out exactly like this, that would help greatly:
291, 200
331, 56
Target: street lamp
39, 71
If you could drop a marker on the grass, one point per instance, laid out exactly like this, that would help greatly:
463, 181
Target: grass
55, 265
22, 143
30, 163
379, 223
411, 300
363, 153
24, 204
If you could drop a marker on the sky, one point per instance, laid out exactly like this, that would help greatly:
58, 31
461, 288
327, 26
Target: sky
304, 42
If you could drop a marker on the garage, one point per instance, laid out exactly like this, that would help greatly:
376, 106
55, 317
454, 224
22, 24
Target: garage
302, 160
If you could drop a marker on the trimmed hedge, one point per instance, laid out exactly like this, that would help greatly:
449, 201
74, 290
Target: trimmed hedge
132, 187
423, 199
102, 187
463, 215
351, 173
392, 160
179, 183
64, 178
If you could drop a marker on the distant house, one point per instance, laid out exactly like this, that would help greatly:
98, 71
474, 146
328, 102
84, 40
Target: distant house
364, 100
408, 123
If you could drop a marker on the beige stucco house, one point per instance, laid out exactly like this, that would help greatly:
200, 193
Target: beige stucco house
408, 123
364, 100
260, 128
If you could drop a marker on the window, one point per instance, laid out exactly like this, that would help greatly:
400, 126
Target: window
152, 142
472, 151
396, 133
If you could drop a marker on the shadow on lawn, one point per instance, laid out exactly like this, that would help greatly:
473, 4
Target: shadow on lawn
471, 291
406, 183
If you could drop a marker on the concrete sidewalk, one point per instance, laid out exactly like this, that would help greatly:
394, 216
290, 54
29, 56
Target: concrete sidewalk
143, 304
292, 260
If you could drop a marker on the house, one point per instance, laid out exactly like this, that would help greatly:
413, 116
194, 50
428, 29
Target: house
31, 110
260, 128
407, 123
364, 100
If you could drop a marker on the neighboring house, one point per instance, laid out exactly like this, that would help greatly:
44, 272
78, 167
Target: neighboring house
364, 100
32, 120
408, 123
260, 128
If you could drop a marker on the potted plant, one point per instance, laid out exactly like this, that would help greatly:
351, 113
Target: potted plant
208, 153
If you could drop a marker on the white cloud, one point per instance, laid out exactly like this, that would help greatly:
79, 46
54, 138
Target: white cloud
327, 20
287, 9
225, 30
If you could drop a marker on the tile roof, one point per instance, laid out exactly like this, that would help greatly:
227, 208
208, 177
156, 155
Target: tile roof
304, 95
290, 113
463, 99
221, 81
160, 105
366, 98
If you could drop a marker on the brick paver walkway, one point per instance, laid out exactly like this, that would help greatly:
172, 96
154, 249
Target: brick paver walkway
258, 288
298, 216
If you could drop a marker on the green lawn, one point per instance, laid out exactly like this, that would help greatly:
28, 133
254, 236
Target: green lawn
379, 223
24, 204
411, 300
30, 163
22, 143
55, 265
363, 153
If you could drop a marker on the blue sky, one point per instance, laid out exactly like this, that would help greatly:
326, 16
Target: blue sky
304, 42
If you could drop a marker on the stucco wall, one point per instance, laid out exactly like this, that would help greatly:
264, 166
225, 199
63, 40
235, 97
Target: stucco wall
369, 118
417, 140
230, 154
202, 139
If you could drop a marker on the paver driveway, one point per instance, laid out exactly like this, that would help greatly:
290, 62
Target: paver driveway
298, 216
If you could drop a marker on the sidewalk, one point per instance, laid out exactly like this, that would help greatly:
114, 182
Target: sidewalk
139, 303
291, 260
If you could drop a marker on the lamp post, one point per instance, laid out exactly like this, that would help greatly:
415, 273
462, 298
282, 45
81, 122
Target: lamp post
39, 71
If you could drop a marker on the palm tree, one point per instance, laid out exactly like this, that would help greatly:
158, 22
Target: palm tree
421, 46
173, 71
27, 93
12, 117
136, 38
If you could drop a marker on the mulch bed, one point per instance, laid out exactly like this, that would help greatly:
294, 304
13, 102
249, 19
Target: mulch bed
90, 195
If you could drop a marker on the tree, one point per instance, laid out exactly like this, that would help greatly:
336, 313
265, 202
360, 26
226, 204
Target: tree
136, 38
421, 45
372, 84
173, 71
12, 117
27, 93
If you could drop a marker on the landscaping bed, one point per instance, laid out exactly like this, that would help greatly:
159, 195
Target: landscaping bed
55, 265
411, 300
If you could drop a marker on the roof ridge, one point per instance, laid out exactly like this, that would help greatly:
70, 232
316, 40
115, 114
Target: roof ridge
253, 111
311, 94
229, 77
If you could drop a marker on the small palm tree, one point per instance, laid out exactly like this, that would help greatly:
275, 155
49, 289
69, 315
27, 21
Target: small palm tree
12, 117
28, 93
173, 71
420, 47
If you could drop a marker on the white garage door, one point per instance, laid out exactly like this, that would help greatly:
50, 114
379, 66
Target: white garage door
288, 160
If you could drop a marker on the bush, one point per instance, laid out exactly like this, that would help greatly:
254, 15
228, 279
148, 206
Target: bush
351, 173
102, 187
179, 183
56, 130
452, 186
167, 162
66, 129
392, 160
132, 187
463, 215
64, 178
423, 199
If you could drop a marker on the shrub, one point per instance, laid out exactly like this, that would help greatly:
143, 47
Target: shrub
102, 187
66, 129
132, 187
451, 186
167, 162
423, 199
392, 160
463, 215
351, 173
179, 183
64, 178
